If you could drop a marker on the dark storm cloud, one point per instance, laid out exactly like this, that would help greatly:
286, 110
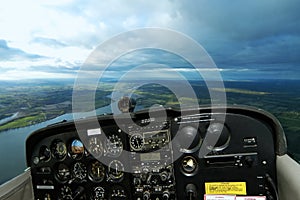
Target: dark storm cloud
243, 34
242, 20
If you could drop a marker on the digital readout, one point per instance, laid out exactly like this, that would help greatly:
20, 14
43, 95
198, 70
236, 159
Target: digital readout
150, 156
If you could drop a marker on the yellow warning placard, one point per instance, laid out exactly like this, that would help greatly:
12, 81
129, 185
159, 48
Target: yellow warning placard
235, 188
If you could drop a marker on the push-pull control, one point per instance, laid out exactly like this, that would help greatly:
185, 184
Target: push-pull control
191, 191
166, 195
146, 195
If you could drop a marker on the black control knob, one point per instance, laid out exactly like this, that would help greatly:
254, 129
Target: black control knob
44, 154
144, 177
146, 195
249, 161
191, 191
137, 181
166, 195
164, 176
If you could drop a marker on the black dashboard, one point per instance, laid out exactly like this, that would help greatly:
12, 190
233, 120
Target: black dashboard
185, 155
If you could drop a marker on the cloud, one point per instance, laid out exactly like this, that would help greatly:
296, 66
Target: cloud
60, 35
8, 53
23, 75
240, 20
244, 33
49, 42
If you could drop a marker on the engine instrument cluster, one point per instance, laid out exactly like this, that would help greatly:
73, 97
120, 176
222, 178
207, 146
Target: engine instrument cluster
185, 156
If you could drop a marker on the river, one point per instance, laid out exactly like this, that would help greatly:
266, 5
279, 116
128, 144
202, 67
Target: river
7, 119
12, 144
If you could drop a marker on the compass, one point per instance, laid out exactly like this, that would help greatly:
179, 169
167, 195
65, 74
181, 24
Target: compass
126, 104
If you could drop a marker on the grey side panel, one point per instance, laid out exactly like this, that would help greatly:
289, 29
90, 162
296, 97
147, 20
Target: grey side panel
19, 188
288, 176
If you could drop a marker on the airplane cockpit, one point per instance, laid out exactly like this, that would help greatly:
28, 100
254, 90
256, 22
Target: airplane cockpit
150, 100
233, 152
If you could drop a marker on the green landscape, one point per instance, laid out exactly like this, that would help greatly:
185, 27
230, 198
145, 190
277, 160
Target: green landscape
31, 105
24, 105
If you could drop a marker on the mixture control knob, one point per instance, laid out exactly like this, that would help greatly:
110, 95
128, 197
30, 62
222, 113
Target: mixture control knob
191, 191
166, 195
146, 195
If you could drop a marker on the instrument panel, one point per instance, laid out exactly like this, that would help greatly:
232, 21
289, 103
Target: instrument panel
158, 158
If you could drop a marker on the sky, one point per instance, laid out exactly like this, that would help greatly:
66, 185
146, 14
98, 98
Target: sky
249, 39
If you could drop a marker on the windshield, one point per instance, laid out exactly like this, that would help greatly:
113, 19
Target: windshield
53, 56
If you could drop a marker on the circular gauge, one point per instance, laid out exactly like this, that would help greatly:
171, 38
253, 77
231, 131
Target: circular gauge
95, 146
136, 142
63, 173
189, 139
126, 104
98, 193
44, 154
115, 171
65, 193
219, 134
96, 171
79, 171
77, 149
114, 145
59, 149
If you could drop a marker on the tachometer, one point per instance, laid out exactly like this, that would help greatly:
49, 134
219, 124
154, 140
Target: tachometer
114, 146
96, 171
